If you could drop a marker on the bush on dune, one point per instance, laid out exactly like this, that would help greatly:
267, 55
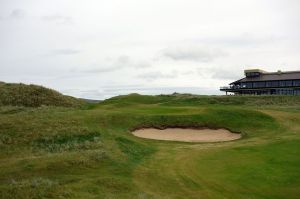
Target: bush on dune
34, 96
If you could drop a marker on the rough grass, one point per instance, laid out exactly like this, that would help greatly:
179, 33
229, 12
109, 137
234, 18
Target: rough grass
62, 142
34, 96
188, 100
56, 152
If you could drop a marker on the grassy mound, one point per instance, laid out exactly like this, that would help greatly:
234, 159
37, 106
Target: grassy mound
33, 96
190, 99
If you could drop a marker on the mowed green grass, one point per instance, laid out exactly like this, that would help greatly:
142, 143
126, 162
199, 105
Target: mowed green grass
89, 152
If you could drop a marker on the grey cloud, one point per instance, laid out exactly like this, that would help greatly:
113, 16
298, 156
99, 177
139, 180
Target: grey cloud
65, 52
220, 73
14, 14
240, 40
120, 62
17, 14
150, 76
126, 61
192, 53
227, 74
102, 69
189, 72
58, 19
203, 71
142, 64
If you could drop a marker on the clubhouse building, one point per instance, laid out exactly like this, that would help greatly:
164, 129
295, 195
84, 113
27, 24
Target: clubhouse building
259, 82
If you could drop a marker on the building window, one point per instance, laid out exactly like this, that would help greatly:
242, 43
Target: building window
296, 92
289, 83
284, 92
268, 84
246, 84
259, 84
286, 83
296, 82
272, 84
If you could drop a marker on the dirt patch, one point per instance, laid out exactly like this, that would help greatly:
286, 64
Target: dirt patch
187, 135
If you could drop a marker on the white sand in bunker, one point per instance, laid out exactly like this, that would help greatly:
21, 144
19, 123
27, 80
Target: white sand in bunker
187, 135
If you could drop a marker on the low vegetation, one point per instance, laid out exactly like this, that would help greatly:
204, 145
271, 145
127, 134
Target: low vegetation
34, 96
88, 152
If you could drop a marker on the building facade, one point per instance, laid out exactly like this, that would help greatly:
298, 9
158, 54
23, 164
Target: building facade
259, 82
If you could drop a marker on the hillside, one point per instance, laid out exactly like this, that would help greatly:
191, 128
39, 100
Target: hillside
33, 96
56, 152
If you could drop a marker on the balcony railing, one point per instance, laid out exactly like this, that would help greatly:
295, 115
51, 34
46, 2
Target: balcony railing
224, 87
235, 87
230, 87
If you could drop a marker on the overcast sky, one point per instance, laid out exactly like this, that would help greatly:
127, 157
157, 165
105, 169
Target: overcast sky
102, 48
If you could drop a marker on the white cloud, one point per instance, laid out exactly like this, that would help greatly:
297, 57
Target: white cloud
66, 51
17, 14
192, 53
58, 19
113, 64
154, 75
227, 74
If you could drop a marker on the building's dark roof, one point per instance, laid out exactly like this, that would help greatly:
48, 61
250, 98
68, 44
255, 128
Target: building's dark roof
289, 75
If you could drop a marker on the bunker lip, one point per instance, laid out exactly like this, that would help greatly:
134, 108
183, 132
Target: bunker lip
186, 134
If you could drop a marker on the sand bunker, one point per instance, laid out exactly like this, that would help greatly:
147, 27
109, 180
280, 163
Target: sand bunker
187, 135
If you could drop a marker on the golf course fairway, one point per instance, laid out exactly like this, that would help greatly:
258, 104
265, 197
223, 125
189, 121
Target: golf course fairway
90, 151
